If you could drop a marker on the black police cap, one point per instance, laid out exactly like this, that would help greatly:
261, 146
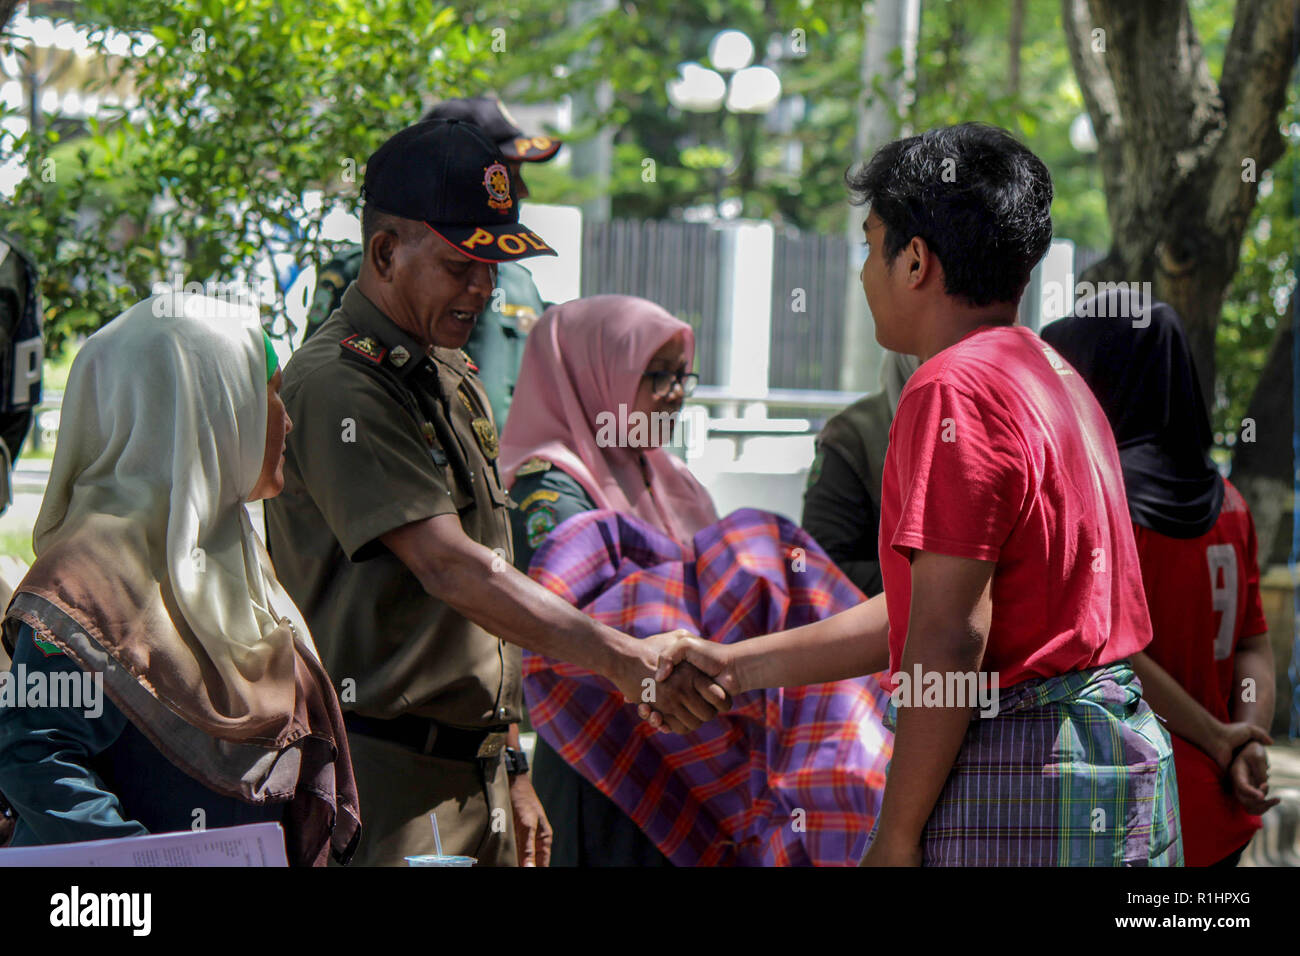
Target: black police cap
447, 174
489, 114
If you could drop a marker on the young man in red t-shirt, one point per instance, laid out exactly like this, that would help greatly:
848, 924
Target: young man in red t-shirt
1012, 591
1209, 668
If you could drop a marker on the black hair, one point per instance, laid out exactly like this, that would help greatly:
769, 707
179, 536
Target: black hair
374, 219
977, 196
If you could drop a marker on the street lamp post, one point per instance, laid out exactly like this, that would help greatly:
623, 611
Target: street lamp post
751, 90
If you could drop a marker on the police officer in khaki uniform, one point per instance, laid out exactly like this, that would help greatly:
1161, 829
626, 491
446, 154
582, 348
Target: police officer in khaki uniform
496, 345
392, 533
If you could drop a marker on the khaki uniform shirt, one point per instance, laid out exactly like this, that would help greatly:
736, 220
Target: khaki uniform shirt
497, 342
383, 435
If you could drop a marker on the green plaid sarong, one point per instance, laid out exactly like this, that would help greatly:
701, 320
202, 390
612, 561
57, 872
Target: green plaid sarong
1074, 770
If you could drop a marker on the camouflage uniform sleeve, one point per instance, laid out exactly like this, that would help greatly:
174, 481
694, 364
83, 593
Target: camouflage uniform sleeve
334, 278
545, 501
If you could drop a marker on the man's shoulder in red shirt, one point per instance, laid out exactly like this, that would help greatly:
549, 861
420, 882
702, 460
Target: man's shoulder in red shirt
1000, 452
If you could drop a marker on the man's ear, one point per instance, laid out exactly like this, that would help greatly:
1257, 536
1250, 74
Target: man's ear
920, 261
383, 249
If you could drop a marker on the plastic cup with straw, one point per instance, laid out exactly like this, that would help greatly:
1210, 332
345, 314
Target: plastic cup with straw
438, 858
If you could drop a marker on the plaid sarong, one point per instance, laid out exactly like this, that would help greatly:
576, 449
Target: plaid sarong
788, 777
1074, 770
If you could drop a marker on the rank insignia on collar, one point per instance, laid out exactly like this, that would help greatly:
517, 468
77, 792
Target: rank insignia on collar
399, 356
487, 437
469, 361
366, 347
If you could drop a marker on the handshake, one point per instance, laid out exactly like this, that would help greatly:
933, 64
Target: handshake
678, 681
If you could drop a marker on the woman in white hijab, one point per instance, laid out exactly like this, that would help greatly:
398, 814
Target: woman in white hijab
150, 584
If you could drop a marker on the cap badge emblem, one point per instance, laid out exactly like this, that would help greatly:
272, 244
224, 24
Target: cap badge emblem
496, 180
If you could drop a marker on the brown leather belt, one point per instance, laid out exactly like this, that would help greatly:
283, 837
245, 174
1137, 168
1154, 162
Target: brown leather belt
428, 737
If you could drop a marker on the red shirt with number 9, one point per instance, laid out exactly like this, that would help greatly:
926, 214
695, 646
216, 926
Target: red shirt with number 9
1203, 596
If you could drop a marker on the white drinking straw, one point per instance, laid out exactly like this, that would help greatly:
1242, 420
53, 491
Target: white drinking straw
437, 840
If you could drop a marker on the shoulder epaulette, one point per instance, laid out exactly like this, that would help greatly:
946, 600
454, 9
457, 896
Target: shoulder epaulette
533, 466
364, 346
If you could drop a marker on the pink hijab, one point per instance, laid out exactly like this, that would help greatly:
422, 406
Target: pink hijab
583, 358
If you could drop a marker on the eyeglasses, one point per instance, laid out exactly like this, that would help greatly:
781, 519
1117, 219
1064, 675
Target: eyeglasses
661, 383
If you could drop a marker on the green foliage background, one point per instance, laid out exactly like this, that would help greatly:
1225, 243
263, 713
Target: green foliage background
248, 105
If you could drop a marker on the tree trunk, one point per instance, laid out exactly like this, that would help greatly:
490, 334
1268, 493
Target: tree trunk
1262, 468
1180, 155
1181, 158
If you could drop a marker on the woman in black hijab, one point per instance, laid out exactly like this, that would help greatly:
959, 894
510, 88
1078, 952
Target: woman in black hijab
1137, 362
1196, 546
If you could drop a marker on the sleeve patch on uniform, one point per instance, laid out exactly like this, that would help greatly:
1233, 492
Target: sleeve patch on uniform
539, 524
540, 495
366, 347
47, 648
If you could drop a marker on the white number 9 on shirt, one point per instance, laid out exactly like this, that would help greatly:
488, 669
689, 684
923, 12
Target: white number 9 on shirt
1223, 598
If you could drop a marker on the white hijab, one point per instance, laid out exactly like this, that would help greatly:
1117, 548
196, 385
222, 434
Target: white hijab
164, 422
148, 570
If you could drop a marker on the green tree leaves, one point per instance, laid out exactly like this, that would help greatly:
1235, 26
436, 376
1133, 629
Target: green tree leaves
245, 110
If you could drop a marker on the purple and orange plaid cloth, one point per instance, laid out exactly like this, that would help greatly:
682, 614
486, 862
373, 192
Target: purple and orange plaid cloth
789, 777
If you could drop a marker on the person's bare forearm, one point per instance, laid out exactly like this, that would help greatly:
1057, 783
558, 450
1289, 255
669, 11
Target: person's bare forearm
484, 587
1254, 662
490, 592
926, 743
1184, 715
927, 738
947, 634
849, 644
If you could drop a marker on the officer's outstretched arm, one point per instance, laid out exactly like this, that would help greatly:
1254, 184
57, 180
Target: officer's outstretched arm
486, 589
